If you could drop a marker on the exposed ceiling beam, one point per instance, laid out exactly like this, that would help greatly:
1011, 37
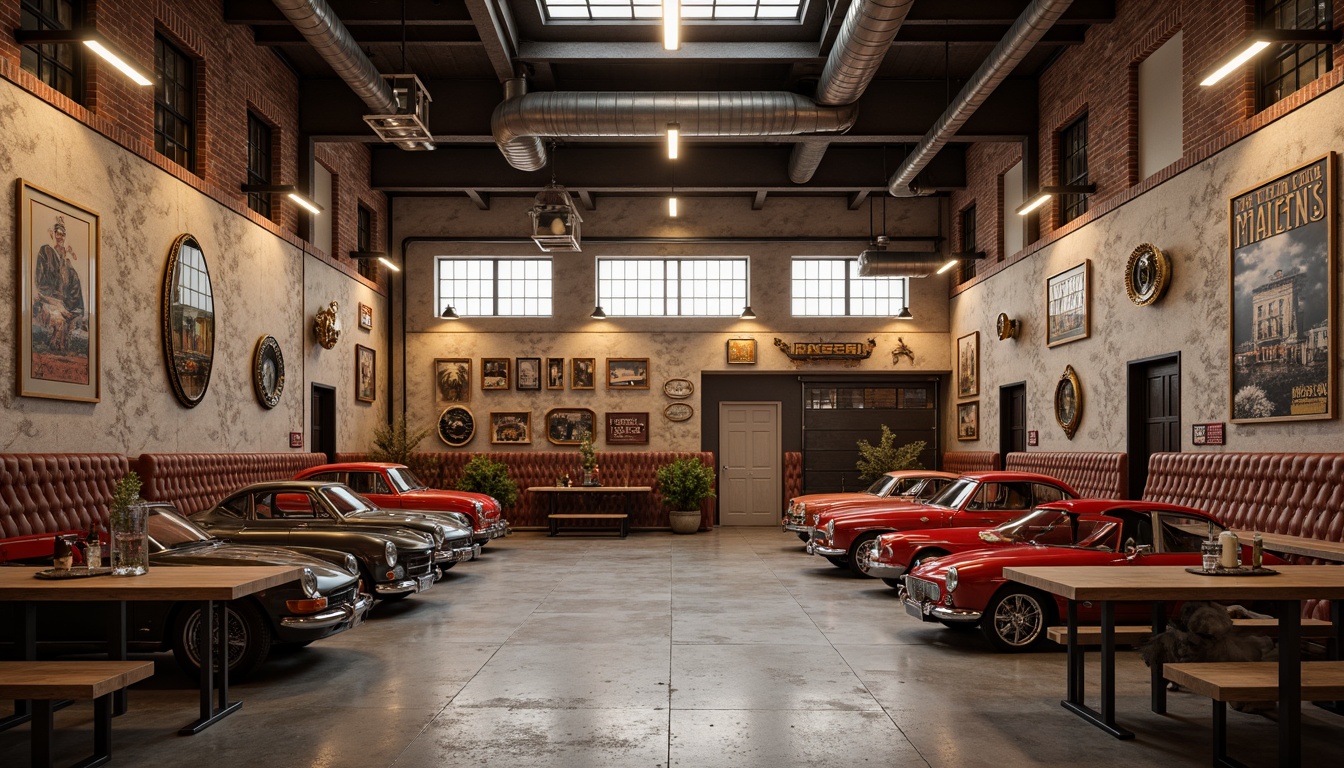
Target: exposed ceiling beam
649, 51
456, 34
586, 200
831, 29
498, 34
857, 198
1005, 12
418, 12
481, 200
758, 202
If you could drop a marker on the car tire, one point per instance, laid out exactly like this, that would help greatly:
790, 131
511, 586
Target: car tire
838, 562
861, 554
1016, 619
250, 639
897, 583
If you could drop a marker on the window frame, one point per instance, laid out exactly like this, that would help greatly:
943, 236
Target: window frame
441, 302
849, 295
260, 163
364, 240
1073, 167
681, 296
1270, 66
47, 56
187, 83
968, 224
651, 12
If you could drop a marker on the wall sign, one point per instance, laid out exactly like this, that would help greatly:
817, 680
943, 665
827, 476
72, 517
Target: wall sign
848, 352
1208, 434
628, 428
1033, 437
295, 439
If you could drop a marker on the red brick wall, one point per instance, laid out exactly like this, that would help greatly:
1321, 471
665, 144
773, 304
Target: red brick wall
349, 166
985, 163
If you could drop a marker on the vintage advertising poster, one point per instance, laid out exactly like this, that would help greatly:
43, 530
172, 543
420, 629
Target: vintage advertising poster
1283, 297
1066, 305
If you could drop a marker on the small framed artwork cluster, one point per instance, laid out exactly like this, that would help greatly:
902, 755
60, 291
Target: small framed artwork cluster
563, 426
968, 385
453, 376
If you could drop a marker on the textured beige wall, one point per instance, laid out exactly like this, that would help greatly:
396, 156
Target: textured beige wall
1187, 218
262, 285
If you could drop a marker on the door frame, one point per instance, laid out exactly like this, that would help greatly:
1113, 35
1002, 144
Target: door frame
777, 454
1135, 376
328, 391
1005, 417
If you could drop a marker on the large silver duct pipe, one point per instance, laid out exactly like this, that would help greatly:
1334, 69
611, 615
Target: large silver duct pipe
1025, 33
520, 121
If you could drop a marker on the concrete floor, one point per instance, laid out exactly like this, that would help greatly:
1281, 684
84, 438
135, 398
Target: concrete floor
729, 648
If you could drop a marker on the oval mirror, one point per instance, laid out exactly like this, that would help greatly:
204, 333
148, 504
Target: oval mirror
188, 321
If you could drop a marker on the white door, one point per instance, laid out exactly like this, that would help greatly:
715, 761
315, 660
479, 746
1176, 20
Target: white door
749, 476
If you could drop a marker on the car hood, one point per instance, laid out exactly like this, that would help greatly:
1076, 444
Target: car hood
827, 499
445, 517
990, 563
950, 536
879, 514
321, 533
416, 520
329, 577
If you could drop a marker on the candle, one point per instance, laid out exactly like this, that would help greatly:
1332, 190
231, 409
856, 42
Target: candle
1230, 554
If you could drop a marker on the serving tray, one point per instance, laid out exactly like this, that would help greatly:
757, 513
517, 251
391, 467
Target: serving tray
1244, 570
74, 573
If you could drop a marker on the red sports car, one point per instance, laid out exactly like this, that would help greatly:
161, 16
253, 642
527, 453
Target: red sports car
394, 486
896, 487
847, 537
968, 589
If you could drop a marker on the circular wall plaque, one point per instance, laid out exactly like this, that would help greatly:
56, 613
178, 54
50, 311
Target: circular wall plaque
268, 371
1147, 274
1005, 326
679, 412
1069, 401
188, 321
678, 388
456, 426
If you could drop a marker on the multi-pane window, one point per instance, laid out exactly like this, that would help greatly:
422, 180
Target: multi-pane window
1073, 168
672, 287
831, 287
968, 242
56, 65
652, 10
494, 287
1286, 68
364, 242
174, 104
258, 163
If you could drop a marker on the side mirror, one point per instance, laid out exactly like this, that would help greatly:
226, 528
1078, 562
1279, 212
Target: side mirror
1138, 551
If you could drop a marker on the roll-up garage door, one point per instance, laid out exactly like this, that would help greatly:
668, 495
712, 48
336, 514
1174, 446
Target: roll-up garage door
837, 414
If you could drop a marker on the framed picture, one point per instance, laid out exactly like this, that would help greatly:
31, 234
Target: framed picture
627, 373
456, 426
678, 389
59, 311
188, 321
366, 382
452, 380
968, 365
365, 317
268, 372
527, 375
1283, 297
510, 427
1067, 297
1069, 401
628, 428
582, 373
741, 351
567, 426
968, 420
494, 373
679, 412
555, 373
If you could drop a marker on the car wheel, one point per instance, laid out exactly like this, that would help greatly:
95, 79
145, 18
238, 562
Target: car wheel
861, 554
249, 639
838, 562
1016, 619
921, 558
896, 583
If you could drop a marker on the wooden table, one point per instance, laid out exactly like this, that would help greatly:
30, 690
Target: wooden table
587, 492
1297, 545
211, 585
1158, 584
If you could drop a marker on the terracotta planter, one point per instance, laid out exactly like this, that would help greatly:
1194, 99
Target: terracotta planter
685, 522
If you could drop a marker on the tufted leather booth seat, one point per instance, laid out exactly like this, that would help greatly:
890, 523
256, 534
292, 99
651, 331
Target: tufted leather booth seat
1095, 475
1299, 494
195, 481
42, 494
970, 461
793, 475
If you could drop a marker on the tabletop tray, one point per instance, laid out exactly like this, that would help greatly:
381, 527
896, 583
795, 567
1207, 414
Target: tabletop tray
73, 573
1244, 570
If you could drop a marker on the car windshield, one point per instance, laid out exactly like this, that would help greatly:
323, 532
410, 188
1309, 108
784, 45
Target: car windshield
346, 501
956, 494
882, 486
404, 480
168, 530
1042, 526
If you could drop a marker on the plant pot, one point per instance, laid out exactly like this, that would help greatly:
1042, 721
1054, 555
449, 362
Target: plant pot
130, 541
684, 522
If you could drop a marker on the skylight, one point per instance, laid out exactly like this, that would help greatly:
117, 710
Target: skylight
652, 10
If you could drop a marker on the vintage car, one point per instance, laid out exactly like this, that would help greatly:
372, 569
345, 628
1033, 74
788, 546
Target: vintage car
395, 560
847, 537
324, 602
895, 487
394, 486
968, 589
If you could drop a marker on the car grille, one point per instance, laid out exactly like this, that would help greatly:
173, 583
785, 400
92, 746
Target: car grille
342, 597
417, 564
921, 590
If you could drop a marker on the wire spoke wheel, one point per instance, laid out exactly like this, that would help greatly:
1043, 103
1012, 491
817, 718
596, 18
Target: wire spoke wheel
247, 637
1016, 621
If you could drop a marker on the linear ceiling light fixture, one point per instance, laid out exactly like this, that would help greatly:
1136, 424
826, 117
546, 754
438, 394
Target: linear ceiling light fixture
1262, 39
672, 206
1045, 193
379, 255
290, 190
93, 40
673, 140
671, 25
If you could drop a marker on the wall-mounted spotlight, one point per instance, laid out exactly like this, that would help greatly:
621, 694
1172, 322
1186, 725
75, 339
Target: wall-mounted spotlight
379, 255
748, 313
1264, 38
1043, 196
289, 190
93, 40
598, 314
448, 313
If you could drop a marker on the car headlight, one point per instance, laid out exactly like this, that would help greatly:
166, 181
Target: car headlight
951, 580
309, 582
479, 507
390, 550
351, 564
801, 509
830, 530
439, 535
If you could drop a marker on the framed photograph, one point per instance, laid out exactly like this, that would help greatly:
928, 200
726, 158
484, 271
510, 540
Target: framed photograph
456, 426
567, 426
1067, 297
627, 373
968, 420
527, 376
365, 317
494, 373
678, 389
59, 311
1283, 297
452, 380
679, 412
582, 373
188, 321
555, 373
628, 428
1069, 402
741, 351
968, 365
366, 382
510, 427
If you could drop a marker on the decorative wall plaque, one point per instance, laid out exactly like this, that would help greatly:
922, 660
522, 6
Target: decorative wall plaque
848, 352
1006, 327
327, 325
1147, 274
1069, 401
456, 426
679, 412
678, 389
268, 371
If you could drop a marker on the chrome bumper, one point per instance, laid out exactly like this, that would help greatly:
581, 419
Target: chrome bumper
813, 548
351, 613
496, 530
796, 527
405, 586
457, 554
886, 571
927, 611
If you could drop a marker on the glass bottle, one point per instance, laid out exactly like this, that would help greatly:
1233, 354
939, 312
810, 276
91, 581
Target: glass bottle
93, 548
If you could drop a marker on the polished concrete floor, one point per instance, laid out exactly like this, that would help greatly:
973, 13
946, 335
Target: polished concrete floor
729, 648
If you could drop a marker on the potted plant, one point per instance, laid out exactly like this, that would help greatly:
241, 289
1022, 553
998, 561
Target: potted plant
129, 533
482, 475
684, 485
877, 460
588, 458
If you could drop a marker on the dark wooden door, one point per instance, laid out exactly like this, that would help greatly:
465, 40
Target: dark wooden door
1154, 415
1012, 419
837, 414
323, 437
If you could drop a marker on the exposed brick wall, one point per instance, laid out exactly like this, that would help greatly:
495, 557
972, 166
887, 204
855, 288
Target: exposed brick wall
985, 164
349, 165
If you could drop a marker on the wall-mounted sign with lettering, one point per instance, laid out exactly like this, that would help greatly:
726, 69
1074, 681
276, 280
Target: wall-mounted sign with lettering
848, 352
628, 428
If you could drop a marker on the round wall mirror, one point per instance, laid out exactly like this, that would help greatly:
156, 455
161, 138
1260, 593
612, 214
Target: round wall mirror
188, 321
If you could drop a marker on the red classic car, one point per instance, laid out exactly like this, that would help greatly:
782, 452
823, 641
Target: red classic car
847, 536
895, 487
968, 589
394, 486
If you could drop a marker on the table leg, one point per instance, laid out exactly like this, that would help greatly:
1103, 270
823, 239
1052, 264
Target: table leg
206, 643
116, 647
1159, 683
1290, 683
1075, 657
43, 723
1332, 650
1105, 720
27, 637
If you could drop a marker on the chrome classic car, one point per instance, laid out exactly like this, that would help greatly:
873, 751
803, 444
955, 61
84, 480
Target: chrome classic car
324, 602
895, 487
395, 486
968, 589
847, 537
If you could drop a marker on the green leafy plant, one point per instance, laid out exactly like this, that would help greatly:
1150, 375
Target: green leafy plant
587, 456
481, 475
877, 460
685, 483
124, 494
396, 442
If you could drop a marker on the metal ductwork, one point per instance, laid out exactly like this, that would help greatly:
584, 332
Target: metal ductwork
879, 263
523, 119
863, 41
1025, 33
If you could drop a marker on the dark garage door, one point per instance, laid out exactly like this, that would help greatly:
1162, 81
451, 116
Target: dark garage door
837, 415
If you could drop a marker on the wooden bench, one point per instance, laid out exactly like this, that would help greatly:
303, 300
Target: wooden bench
1253, 681
43, 682
1135, 634
623, 522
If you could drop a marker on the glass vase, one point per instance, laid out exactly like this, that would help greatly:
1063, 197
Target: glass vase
130, 541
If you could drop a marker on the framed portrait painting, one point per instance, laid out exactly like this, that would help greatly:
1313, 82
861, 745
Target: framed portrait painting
59, 311
627, 373
968, 420
511, 427
567, 426
582, 373
555, 373
495, 373
365, 317
527, 373
452, 380
968, 365
366, 382
1283, 297
1067, 300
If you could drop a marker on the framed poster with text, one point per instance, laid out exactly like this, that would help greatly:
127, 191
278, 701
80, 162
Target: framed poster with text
1067, 296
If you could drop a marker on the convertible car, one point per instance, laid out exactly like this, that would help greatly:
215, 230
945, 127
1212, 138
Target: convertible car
894, 488
847, 537
968, 589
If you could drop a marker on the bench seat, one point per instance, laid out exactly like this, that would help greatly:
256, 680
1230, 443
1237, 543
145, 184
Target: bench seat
1256, 680
623, 521
1134, 634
